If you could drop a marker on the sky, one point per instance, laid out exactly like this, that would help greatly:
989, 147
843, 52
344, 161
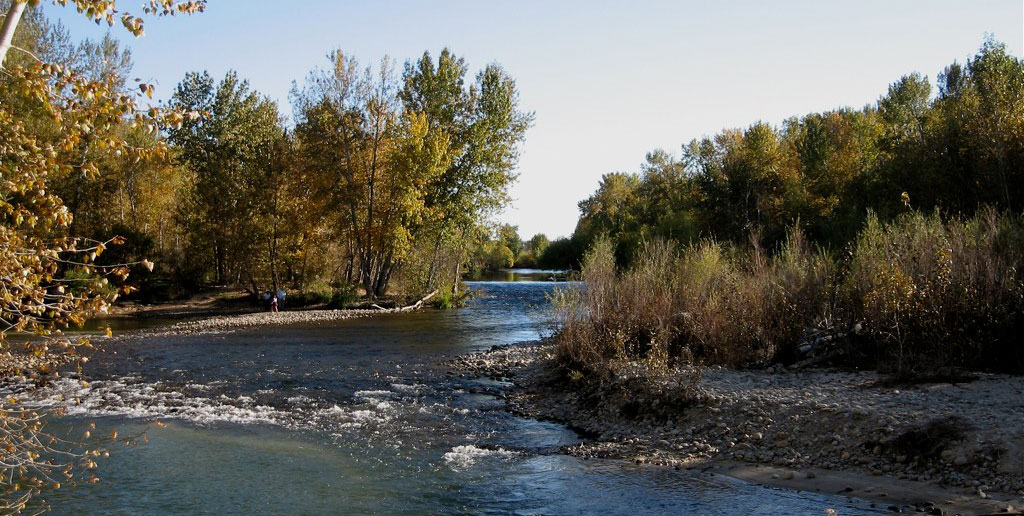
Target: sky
608, 81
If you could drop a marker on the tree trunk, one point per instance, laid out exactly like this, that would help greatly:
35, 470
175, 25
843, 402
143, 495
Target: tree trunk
218, 257
384, 277
273, 261
366, 269
455, 280
273, 246
255, 289
458, 267
418, 304
7, 30
432, 274
305, 263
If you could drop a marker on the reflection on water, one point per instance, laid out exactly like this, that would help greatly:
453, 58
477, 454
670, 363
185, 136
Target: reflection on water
360, 417
549, 275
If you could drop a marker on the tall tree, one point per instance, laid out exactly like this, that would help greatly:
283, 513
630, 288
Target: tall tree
981, 114
485, 126
508, 236
956, 152
376, 162
229, 152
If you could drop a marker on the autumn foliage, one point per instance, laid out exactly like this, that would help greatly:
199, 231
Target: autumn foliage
894, 230
57, 122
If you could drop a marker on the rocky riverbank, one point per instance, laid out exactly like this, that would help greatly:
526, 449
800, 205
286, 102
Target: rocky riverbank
22, 363
943, 448
222, 323
204, 315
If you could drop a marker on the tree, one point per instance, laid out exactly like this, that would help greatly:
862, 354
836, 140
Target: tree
485, 127
836, 156
508, 235
35, 248
609, 211
823, 171
537, 245
376, 162
980, 127
229, 152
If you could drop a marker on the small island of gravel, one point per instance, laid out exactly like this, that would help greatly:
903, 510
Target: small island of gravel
944, 448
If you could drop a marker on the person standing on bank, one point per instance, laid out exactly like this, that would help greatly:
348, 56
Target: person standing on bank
279, 295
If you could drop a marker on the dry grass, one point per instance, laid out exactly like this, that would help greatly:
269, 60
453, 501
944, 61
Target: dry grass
706, 304
922, 292
934, 294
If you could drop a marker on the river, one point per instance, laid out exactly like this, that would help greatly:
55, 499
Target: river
361, 417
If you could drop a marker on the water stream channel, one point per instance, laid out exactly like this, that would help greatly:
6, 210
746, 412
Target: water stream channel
361, 417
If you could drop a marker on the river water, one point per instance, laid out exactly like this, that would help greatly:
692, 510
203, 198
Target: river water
361, 417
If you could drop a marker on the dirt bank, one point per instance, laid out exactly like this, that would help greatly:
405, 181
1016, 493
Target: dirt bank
946, 448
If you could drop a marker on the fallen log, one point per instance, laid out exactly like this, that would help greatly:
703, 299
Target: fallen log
418, 304
813, 361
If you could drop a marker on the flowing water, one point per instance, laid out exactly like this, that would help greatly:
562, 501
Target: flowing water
361, 417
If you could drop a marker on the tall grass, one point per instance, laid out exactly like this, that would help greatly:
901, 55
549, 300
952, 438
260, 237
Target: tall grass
932, 294
909, 296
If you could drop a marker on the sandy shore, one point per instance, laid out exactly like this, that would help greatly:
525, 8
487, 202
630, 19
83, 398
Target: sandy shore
941, 448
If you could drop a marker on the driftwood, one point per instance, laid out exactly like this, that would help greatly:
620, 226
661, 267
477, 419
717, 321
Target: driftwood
819, 345
414, 306
418, 304
813, 361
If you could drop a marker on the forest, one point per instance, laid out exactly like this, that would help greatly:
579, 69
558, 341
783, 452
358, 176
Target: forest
951, 146
888, 237
381, 182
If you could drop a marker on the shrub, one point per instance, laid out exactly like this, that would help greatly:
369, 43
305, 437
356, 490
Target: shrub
707, 304
932, 294
923, 293
446, 300
343, 295
747, 308
316, 292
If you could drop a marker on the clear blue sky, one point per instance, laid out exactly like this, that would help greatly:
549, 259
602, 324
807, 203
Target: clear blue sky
609, 81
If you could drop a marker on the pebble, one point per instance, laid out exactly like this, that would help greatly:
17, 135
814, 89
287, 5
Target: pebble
797, 420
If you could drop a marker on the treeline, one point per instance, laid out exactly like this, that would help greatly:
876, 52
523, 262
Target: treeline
887, 237
953, 148
383, 179
501, 247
